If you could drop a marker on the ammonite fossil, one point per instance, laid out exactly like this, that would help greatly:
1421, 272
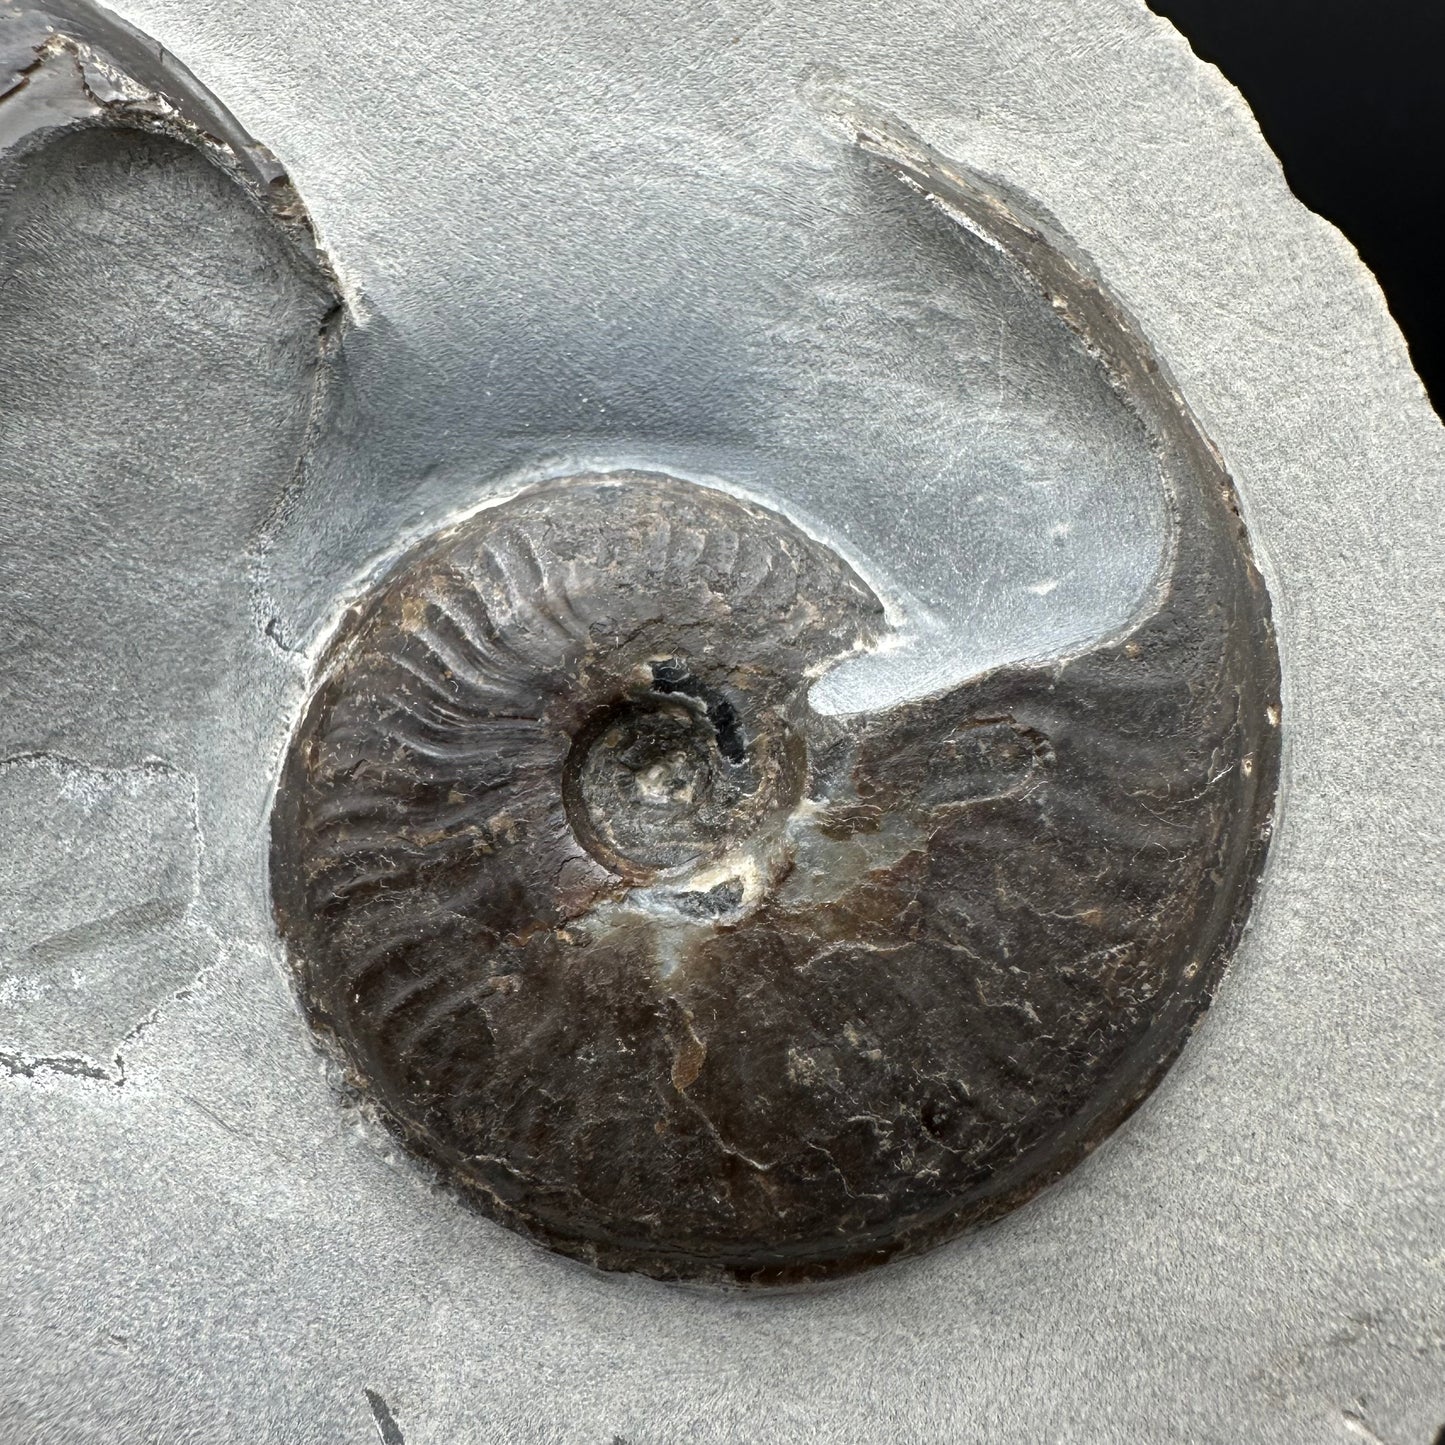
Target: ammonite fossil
665, 968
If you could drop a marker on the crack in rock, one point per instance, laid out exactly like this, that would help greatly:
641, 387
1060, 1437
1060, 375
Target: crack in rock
100, 916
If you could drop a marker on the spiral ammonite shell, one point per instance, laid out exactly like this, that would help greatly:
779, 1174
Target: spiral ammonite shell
671, 971
660, 965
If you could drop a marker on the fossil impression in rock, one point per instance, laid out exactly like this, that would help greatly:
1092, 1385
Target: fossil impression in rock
672, 972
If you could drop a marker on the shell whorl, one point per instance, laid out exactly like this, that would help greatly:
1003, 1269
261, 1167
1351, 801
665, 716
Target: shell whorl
666, 969
593, 687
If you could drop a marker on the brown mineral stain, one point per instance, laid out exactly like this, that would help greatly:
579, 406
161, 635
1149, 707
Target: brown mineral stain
687, 1065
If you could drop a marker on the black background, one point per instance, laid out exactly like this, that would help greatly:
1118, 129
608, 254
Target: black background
1351, 96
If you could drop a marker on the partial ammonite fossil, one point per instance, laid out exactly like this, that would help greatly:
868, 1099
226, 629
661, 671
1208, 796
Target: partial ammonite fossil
676, 974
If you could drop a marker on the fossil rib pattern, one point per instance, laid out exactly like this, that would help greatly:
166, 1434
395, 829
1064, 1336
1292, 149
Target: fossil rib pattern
670, 971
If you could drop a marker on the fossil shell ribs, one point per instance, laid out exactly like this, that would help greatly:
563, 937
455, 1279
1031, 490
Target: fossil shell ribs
666, 969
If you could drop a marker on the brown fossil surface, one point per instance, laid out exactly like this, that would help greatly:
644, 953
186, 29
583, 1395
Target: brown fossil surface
676, 974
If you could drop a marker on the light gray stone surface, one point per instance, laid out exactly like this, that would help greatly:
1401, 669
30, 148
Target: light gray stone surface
89, 952
535, 209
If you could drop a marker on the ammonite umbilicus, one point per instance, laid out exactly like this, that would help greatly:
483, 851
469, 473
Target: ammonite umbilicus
675, 974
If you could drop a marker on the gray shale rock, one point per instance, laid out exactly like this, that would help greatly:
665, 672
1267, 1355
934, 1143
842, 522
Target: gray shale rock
939, 301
